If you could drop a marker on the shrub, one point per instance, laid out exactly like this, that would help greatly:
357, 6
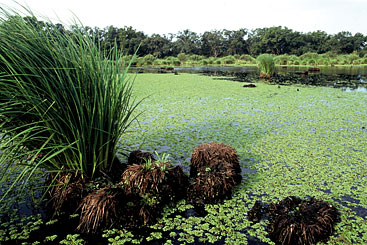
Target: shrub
296, 221
158, 62
248, 58
176, 61
149, 59
309, 55
281, 59
229, 60
205, 62
211, 60
311, 62
182, 57
139, 61
196, 57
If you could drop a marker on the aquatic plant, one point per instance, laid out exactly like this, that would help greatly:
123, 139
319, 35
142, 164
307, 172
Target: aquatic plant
215, 169
139, 157
65, 192
153, 184
210, 188
217, 157
64, 103
296, 221
101, 208
266, 65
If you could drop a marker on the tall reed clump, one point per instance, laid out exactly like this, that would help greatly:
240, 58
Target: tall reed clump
64, 103
266, 65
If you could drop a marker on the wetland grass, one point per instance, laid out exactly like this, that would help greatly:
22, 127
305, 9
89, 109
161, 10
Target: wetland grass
64, 106
301, 143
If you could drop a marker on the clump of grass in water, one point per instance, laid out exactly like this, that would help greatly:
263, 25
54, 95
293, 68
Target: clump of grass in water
64, 104
266, 65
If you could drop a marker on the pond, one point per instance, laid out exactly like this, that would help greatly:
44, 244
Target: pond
291, 141
345, 77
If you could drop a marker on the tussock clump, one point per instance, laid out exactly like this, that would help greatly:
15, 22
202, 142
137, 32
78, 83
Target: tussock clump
209, 155
139, 157
256, 212
151, 186
297, 221
216, 170
66, 192
142, 179
100, 209
210, 187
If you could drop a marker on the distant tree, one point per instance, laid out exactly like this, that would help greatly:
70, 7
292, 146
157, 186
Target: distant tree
216, 43
213, 43
157, 45
275, 40
129, 39
236, 42
345, 43
187, 42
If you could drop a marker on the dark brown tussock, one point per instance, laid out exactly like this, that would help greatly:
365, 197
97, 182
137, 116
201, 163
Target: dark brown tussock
67, 192
208, 155
249, 85
176, 184
296, 221
115, 172
256, 212
100, 209
210, 188
264, 76
139, 157
150, 188
141, 180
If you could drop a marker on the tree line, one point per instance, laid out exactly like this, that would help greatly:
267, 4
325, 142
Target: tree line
219, 43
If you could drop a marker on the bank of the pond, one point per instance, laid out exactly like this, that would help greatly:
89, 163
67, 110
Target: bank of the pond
292, 140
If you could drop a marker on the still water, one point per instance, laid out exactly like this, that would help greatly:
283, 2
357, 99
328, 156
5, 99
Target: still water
345, 77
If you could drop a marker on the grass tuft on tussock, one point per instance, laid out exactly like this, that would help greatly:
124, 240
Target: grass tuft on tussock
64, 103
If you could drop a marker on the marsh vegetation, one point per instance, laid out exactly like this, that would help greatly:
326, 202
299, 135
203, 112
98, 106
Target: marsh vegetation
96, 160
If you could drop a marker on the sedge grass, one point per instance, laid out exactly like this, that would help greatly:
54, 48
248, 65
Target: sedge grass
64, 103
266, 64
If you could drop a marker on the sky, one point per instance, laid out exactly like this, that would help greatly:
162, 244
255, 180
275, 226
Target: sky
172, 16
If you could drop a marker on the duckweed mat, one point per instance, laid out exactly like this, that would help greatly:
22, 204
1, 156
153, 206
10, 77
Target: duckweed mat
291, 140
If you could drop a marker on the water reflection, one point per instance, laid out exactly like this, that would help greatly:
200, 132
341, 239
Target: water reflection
351, 77
358, 89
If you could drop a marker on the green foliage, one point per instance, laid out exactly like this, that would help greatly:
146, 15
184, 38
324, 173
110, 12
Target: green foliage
182, 57
64, 103
205, 62
176, 61
149, 59
229, 60
281, 59
196, 57
309, 55
72, 239
266, 64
